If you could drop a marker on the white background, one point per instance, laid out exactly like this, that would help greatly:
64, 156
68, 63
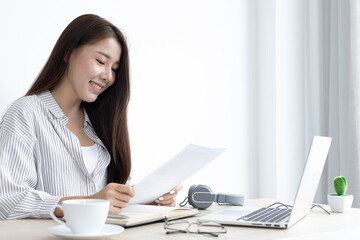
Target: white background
189, 76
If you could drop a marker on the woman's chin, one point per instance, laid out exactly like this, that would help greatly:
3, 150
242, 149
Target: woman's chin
89, 98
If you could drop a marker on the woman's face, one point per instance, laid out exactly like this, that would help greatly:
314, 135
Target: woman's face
92, 68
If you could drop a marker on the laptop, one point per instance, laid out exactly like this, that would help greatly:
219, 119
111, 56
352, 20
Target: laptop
281, 216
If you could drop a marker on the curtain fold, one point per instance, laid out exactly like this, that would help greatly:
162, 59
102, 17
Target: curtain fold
353, 161
313, 90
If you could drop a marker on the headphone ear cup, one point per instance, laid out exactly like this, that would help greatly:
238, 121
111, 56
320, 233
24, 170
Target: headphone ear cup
191, 189
190, 193
200, 196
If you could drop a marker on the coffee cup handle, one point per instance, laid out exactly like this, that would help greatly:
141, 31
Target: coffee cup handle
52, 214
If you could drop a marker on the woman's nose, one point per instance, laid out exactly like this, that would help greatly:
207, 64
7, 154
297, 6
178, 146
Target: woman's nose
107, 75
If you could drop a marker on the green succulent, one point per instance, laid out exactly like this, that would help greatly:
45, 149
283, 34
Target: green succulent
340, 185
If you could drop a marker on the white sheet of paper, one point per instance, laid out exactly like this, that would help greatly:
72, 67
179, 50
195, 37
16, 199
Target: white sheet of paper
173, 172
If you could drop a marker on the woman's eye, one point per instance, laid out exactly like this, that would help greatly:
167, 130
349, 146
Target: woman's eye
100, 62
113, 69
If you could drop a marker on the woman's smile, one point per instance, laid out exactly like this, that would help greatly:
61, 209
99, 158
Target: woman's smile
97, 87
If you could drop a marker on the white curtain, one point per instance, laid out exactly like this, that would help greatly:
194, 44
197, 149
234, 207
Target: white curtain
305, 64
352, 160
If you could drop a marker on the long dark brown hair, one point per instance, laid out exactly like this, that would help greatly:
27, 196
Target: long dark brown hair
108, 114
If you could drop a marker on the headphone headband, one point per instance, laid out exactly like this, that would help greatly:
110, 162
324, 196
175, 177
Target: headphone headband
201, 197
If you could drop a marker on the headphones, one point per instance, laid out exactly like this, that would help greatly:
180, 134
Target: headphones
201, 197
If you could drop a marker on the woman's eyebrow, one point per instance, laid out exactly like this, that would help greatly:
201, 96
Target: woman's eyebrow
106, 55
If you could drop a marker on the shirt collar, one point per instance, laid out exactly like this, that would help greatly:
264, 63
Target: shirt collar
48, 99
50, 102
87, 119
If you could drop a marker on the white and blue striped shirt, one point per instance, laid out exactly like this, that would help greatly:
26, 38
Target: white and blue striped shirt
41, 159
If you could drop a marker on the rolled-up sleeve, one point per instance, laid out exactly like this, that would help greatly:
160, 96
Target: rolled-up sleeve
18, 179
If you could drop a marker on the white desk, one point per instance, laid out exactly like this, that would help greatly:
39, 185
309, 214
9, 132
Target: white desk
317, 225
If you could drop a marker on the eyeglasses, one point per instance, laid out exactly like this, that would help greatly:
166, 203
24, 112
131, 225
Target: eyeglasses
206, 228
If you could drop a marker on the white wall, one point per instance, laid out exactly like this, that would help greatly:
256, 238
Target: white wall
189, 75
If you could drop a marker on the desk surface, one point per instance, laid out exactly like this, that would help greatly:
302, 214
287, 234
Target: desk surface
317, 224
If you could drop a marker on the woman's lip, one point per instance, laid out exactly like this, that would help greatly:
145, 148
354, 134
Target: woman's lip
100, 85
95, 88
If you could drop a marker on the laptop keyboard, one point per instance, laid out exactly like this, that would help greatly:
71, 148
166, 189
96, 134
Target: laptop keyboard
273, 215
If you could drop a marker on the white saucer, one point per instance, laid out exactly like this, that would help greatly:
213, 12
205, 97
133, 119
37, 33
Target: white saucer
108, 230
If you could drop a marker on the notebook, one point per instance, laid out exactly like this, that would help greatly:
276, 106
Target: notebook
281, 217
138, 214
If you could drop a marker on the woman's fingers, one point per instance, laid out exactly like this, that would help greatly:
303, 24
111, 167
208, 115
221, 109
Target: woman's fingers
169, 199
123, 189
122, 196
114, 210
178, 188
119, 204
119, 196
170, 205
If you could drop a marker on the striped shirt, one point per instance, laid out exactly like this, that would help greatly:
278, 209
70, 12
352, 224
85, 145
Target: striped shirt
41, 159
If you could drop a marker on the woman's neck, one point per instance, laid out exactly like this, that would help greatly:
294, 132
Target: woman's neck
67, 99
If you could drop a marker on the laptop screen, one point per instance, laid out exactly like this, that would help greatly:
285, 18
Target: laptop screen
310, 178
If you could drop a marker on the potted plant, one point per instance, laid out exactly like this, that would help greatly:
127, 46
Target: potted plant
340, 202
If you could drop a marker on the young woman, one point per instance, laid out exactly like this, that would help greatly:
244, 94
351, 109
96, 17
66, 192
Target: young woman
68, 137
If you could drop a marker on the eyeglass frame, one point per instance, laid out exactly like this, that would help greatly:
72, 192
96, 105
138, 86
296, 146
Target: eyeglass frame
213, 234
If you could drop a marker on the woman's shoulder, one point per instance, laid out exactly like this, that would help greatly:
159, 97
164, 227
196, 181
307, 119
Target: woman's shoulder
21, 114
23, 106
30, 99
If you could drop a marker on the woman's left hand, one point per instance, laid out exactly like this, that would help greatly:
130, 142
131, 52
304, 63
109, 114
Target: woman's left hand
169, 199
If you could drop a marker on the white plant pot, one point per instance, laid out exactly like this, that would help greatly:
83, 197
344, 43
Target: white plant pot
340, 203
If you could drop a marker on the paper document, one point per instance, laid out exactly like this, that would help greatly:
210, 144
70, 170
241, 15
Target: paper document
173, 172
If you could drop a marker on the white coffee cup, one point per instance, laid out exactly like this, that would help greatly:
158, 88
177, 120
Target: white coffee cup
83, 216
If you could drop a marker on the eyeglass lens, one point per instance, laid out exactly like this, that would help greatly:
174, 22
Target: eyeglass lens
182, 226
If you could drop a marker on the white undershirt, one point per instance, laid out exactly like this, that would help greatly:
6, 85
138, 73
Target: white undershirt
90, 156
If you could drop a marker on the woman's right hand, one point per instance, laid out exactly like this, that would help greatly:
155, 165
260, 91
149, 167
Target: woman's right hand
119, 196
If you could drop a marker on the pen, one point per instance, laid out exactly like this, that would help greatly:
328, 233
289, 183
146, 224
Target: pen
118, 216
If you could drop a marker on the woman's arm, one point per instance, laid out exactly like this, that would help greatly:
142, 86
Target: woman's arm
119, 196
18, 178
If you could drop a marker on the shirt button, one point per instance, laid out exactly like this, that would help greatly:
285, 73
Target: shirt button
92, 185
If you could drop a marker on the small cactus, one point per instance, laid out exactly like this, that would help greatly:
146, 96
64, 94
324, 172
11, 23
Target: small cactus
340, 185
